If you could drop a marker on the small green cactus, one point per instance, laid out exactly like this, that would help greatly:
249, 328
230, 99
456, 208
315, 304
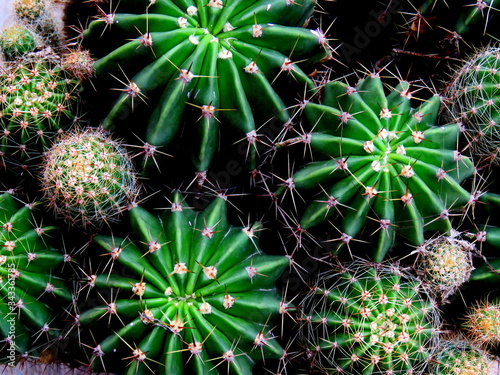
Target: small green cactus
445, 264
88, 178
456, 356
482, 323
201, 63
368, 319
474, 100
200, 297
36, 101
16, 40
30, 289
378, 158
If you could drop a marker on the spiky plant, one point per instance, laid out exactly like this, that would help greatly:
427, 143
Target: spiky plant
30, 288
37, 100
199, 295
16, 40
198, 64
379, 160
78, 63
39, 16
457, 356
482, 323
368, 319
474, 100
445, 264
88, 178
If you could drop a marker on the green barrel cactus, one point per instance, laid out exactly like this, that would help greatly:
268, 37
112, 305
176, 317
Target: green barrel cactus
16, 40
30, 288
200, 297
475, 101
378, 158
368, 319
198, 64
456, 356
37, 100
88, 178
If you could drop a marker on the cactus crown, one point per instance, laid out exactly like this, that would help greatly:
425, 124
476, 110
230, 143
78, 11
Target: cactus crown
482, 323
379, 158
368, 319
16, 40
88, 178
201, 293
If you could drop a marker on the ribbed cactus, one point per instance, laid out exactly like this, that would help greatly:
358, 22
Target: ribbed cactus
88, 178
379, 160
368, 319
36, 101
482, 323
196, 64
16, 40
30, 288
475, 101
445, 264
456, 356
199, 297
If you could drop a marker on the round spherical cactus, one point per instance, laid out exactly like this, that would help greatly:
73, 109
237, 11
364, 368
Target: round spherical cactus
78, 63
199, 295
36, 101
368, 319
88, 178
16, 40
445, 264
474, 100
378, 161
30, 289
200, 63
457, 356
482, 323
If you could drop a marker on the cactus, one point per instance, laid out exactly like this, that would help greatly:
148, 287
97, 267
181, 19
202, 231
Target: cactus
30, 289
200, 295
456, 356
36, 101
201, 63
474, 100
445, 264
482, 323
39, 16
16, 40
380, 159
88, 178
78, 63
368, 319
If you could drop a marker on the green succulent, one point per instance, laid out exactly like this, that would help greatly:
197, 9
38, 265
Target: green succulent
199, 64
200, 297
37, 100
368, 319
16, 40
378, 158
88, 178
475, 101
30, 288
